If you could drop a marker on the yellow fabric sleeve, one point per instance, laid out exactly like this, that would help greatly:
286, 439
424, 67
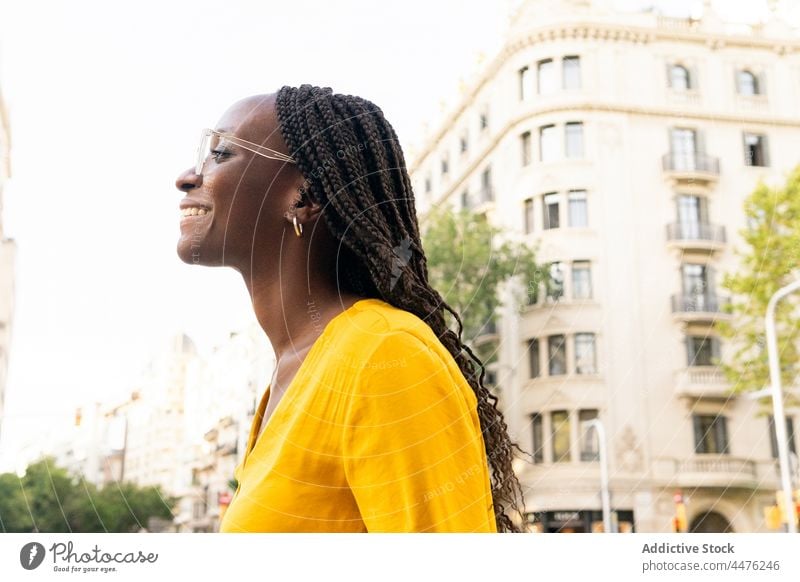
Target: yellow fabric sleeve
413, 451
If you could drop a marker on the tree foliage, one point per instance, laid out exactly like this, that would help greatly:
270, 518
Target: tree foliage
467, 260
48, 499
769, 261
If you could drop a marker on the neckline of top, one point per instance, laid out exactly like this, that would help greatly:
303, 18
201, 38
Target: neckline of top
255, 437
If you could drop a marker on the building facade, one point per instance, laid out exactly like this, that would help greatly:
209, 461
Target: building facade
622, 146
7, 259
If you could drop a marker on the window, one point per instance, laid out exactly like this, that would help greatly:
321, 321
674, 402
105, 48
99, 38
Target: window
427, 185
702, 350
578, 209
445, 166
547, 143
747, 83
524, 75
585, 353
529, 216
464, 142
683, 142
679, 79
571, 72
546, 77
533, 358
696, 288
483, 120
550, 204
486, 185
790, 435
755, 149
525, 146
465, 199
692, 213
555, 283
574, 140
538, 438
581, 280
710, 434
560, 435
590, 447
557, 355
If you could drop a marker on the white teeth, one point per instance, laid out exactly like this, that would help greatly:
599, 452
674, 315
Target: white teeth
194, 211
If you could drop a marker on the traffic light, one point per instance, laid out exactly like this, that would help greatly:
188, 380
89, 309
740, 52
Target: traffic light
679, 522
780, 506
772, 517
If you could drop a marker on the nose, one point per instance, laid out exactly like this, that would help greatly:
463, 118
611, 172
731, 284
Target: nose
188, 180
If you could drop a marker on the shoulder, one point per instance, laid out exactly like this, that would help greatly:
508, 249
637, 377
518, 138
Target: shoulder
394, 353
375, 325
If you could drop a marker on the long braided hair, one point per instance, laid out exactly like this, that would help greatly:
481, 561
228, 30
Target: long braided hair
354, 167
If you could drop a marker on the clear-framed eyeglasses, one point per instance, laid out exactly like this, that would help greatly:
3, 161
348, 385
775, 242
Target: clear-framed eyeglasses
213, 142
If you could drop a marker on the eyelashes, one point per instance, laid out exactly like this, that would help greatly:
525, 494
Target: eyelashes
220, 154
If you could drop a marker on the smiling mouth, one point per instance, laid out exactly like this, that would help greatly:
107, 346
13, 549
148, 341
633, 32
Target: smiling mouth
194, 211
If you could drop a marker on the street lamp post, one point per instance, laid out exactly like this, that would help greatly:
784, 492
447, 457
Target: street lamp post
777, 402
605, 496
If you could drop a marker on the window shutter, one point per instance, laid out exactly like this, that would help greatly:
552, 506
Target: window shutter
669, 75
698, 434
761, 79
736, 81
689, 355
702, 202
773, 439
722, 434
700, 141
765, 149
693, 78
715, 349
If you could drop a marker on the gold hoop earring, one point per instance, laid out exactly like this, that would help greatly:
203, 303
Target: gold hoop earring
298, 228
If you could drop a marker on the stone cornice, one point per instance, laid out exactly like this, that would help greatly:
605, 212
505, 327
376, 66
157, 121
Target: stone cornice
594, 31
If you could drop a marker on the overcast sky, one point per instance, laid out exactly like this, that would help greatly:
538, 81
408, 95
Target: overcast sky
107, 100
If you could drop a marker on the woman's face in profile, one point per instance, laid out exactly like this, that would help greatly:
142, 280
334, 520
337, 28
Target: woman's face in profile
235, 207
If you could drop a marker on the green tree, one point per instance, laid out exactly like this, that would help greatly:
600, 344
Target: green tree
48, 499
14, 514
467, 260
772, 239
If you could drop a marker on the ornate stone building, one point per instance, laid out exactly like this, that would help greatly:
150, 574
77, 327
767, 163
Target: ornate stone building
7, 256
623, 145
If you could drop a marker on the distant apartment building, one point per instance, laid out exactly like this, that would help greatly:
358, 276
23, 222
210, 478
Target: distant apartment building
7, 257
623, 145
222, 391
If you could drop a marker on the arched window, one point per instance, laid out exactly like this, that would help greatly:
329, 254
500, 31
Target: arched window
747, 83
679, 78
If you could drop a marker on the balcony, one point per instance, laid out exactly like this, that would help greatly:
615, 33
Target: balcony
696, 236
702, 382
714, 470
690, 168
698, 307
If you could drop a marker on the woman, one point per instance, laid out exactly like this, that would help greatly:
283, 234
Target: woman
376, 418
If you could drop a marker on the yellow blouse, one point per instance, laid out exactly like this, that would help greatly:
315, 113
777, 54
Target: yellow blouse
377, 432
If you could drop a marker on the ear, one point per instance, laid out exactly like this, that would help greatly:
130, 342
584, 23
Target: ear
308, 212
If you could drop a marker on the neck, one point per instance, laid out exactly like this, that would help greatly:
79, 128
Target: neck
292, 306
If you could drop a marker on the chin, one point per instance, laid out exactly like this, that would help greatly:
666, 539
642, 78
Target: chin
193, 254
